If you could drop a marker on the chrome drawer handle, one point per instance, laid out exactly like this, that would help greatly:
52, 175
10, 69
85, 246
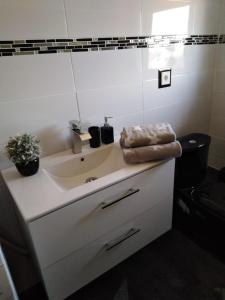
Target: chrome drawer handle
129, 193
121, 239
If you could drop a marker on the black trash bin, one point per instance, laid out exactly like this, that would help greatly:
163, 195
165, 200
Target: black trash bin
191, 167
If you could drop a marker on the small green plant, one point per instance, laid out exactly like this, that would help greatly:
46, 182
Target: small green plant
23, 149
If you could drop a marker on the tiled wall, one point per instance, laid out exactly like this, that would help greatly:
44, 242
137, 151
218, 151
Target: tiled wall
53, 46
217, 124
40, 93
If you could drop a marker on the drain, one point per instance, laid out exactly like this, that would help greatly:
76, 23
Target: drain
90, 179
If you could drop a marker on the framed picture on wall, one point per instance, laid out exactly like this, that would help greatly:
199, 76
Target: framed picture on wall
164, 78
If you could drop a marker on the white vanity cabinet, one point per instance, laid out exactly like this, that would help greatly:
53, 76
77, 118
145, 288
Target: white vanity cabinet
78, 242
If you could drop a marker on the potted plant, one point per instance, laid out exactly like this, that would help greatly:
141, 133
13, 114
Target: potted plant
24, 151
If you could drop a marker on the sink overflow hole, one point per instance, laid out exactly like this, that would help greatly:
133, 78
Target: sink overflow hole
89, 179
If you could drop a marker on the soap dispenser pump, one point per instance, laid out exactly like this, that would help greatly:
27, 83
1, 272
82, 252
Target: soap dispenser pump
107, 134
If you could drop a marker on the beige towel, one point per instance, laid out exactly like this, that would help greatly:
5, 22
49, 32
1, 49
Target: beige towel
146, 135
155, 152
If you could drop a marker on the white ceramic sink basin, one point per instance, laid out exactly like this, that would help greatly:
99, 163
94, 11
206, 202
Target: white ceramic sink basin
62, 176
87, 167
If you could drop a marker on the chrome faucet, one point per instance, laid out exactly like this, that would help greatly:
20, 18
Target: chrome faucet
77, 136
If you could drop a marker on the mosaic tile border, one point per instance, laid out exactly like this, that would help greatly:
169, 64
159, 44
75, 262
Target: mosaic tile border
48, 46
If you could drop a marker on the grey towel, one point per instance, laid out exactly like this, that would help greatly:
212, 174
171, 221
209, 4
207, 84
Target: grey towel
149, 153
146, 135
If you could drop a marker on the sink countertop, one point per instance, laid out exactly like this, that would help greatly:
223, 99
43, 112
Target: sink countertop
38, 195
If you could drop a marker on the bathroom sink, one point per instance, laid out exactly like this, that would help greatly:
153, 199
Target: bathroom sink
65, 178
84, 168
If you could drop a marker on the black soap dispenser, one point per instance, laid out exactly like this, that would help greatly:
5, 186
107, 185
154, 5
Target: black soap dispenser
107, 134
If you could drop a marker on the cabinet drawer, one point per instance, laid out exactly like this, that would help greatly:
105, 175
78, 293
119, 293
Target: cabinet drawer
84, 265
70, 228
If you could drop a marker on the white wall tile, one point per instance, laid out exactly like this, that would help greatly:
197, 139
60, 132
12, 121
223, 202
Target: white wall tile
199, 85
199, 58
109, 83
167, 17
184, 117
218, 105
217, 147
216, 152
206, 16
45, 117
122, 121
118, 83
114, 101
222, 19
217, 126
220, 57
181, 17
182, 60
217, 122
174, 114
32, 19
94, 18
34, 76
185, 88
154, 59
106, 68
186, 104
219, 85
155, 97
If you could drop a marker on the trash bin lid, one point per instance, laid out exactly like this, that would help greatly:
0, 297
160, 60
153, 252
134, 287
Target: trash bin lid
194, 141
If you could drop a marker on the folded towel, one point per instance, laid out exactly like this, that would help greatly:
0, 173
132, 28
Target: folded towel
146, 135
155, 152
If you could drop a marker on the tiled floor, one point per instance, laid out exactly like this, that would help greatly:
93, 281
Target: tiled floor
170, 268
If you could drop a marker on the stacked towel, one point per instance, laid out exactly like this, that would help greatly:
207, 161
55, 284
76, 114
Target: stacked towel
150, 142
155, 152
146, 135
